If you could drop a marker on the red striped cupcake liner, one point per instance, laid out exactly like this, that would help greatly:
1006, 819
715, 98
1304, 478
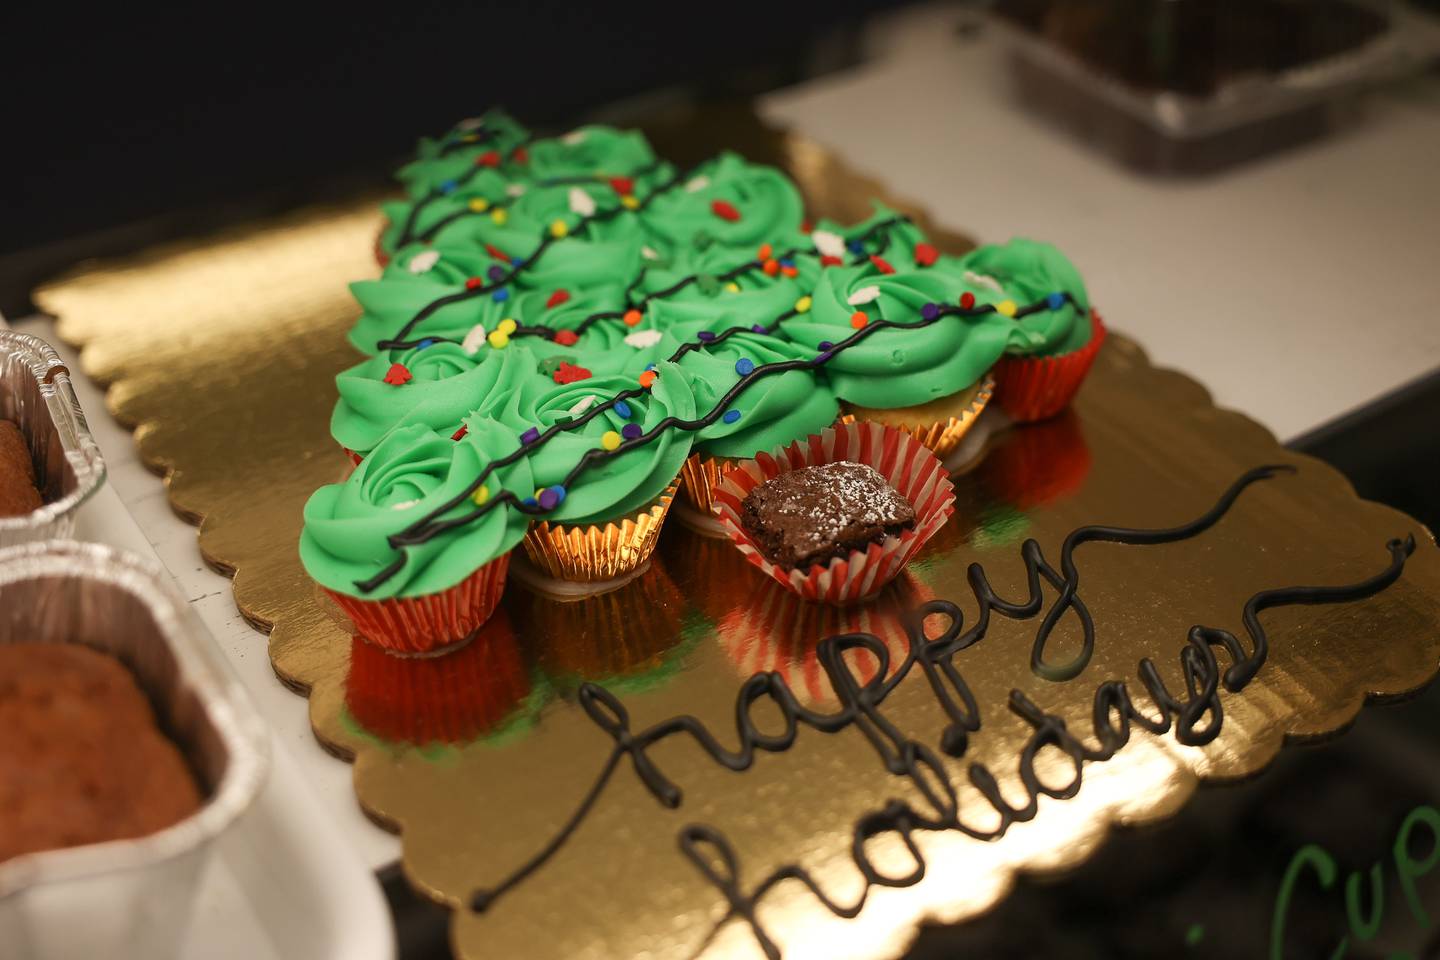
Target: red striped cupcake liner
452, 697
423, 624
905, 463
1037, 388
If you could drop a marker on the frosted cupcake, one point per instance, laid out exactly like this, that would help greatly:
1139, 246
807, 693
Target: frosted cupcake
440, 589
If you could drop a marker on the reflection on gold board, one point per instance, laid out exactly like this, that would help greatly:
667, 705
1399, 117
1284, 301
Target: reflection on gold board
221, 355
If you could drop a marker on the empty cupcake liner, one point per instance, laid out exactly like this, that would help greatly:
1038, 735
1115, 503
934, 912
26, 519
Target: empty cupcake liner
905, 463
1036, 388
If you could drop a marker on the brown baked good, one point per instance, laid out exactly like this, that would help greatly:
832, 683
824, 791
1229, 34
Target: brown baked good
82, 759
809, 515
19, 494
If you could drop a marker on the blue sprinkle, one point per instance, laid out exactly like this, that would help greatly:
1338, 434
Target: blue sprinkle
1055, 301
448, 186
501, 295
496, 272
649, 366
530, 436
759, 328
706, 335
787, 262
622, 408
630, 431
856, 246
517, 261
744, 365
930, 311
529, 502
424, 344
826, 344
731, 416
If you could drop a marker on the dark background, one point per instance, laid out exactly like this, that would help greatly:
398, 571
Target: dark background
121, 128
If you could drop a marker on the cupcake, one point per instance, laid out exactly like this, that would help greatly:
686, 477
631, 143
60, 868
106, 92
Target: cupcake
836, 516
452, 156
435, 592
603, 522
1058, 337
929, 377
451, 698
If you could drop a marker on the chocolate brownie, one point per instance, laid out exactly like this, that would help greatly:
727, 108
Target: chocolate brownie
83, 761
810, 515
19, 494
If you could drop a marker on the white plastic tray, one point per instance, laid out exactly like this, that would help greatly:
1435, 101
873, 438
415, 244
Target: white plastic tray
289, 883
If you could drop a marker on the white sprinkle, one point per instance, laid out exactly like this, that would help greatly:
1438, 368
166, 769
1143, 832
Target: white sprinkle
515, 190
641, 339
470, 123
581, 202
981, 280
699, 183
864, 295
404, 505
424, 260
474, 340
573, 138
649, 254
829, 244
581, 405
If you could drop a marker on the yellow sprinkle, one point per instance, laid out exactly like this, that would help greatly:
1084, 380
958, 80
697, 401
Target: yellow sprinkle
499, 215
559, 228
1005, 308
610, 440
498, 339
479, 204
733, 287
803, 305
506, 326
630, 202
481, 495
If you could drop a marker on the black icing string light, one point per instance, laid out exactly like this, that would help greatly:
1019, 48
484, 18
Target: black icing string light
613, 445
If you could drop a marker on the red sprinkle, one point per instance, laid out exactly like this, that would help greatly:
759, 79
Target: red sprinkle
829, 261
725, 210
925, 254
647, 378
765, 252
790, 271
771, 267
569, 372
490, 158
398, 375
633, 317
967, 300
473, 283
558, 297
566, 338
459, 434
520, 155
858, 319
881, 265
496, 252
622, 185
806, 226
355, 457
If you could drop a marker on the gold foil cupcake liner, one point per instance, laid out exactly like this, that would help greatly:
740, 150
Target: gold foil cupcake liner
699, 478
598, 552
942, 435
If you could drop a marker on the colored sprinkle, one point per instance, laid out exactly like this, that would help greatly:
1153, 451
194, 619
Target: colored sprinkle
566, 338
826, 344
478, 204
622, 185
559, 229
705, 335
500, 296
830, 261
530, 435
499, 215
629, 202
771, 267
609, 440
856, 246
425, 344
759, 328
765, 252
569, 372
1055, 301
1005, 308
496, 272
925, 255
481, 494
967, 300
498, 340
787, 262
733, 287
622, 409
529, 501
731, 416
930, 311
558, 297
858, 319
633, 317
517, 261
495, 252
744, 366
460, 434
881, 265
398, 375
647, 379
551, 497
448, 186
725, 211
506, 326
803, 305
490, 158
473, 283
631, 430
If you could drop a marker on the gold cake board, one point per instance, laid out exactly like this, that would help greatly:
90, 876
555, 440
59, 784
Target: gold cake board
221, 355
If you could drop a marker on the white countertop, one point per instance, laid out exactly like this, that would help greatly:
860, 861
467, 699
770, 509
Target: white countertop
1296, 288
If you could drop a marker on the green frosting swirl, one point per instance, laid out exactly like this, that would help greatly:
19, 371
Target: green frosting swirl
775, 409
449, 384
1029, 271
769, 207
898, 368
452, 156
615, 487
412, 472
594, 151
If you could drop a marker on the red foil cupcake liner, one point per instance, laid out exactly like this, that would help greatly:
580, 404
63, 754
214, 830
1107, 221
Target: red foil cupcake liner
902, 460
452, 697
423, 624
1036, 388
